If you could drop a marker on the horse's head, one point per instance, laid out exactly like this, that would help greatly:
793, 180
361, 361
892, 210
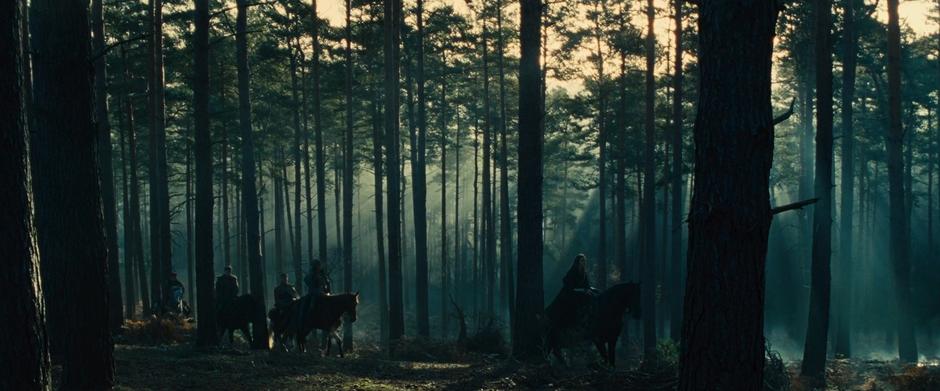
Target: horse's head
351, 304
629, 295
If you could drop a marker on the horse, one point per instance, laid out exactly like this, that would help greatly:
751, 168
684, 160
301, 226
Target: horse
327, 315
237, 315
600, 322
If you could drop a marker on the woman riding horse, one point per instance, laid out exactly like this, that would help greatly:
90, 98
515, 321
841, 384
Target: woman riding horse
575, 294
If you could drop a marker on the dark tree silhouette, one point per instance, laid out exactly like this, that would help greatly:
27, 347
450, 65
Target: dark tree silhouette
206, 333
25, 354
530, 295
730, 215
68, 202
248, 186
900, 225
392, 30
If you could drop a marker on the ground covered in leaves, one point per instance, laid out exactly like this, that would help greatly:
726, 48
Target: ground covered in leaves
160, 356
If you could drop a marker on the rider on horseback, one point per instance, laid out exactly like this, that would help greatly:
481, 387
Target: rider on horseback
226, 288
284, 295
575, 294
174, 296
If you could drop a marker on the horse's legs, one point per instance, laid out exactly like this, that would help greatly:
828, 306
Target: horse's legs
602, 350
612, 352
339, 342
301, 342
247, 335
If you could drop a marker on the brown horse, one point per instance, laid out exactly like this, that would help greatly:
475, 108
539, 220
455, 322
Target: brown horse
599, 322
237, 315
325, 313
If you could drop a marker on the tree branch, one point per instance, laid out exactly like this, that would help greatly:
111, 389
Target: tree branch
113, 45
795, 205
785, 116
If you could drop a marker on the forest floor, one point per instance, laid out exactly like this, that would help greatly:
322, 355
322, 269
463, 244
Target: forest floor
151, 364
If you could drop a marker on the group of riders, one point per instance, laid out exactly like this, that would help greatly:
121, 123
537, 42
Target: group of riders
227, 289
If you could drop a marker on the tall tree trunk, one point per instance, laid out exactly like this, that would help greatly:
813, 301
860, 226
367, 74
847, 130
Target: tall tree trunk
160, 240
74, 261
318, 138
348, 177
505, 219
190, 261
377, 137
133, 255
899, 222
25, 352
648, 260
295, 148
392, 39
419, 185
602, 273
442, 116
279, 223
817, 328
530, 300
489, 236
620, 236
249, 195
206, 332
730, 215
675, 230
844, 284
106, 170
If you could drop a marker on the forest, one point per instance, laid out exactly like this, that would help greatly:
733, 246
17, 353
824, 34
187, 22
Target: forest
470, 194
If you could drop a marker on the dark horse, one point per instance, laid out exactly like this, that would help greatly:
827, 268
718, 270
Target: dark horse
599, 322
237, 315
327, 315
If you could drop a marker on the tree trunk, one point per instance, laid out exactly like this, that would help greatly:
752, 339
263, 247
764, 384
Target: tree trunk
106, 170
249, 193
602, 273
25, 351
489, 237
505, 219
817, 328
729, 219
133, 254
295, 147
206, 332
648, 260
675, 230
318, 139
392, 30
74, 261
842, 346
442, 116
530, 299
377, 137
348, 178
419, 185
160, 240
899, 222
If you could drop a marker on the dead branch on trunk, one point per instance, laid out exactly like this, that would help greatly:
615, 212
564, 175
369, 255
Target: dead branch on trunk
795, 205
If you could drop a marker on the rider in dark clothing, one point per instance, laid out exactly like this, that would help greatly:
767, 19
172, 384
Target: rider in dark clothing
575, 294
285, 293
226, 287
174, 291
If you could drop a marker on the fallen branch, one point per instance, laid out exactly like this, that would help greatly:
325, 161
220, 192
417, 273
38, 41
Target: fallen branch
785, 116
795, 205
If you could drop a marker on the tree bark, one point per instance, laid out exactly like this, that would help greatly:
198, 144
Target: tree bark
106, 169
25, 352
505, 219
160, 239
602, 273
729, 219
206, 332
530, 298
249, 198
348, 178
74, 261
817, 328
648, 260
392, 39
677, 283
419, 184
842, 346
899, 246
318, 138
